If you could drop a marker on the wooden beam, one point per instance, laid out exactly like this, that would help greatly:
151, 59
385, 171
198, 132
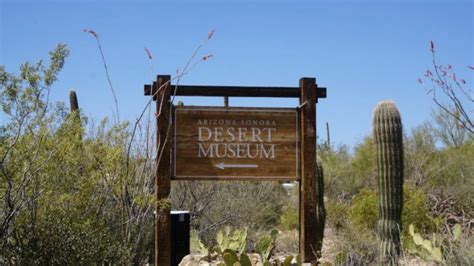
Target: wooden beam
308, 198
235, 91
163, 175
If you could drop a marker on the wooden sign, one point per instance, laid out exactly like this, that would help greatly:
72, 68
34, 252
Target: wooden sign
236, 143
213, 143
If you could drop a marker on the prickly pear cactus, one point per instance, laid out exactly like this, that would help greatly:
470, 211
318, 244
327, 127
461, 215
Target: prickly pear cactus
388, 152
320, 210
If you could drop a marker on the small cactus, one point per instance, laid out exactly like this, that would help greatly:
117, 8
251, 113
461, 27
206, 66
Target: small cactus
232, 259
75, 112
74, 105
320, 210
388, 152
236, 240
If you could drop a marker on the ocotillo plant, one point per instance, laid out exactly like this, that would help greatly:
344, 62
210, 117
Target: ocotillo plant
388, 152
320, 210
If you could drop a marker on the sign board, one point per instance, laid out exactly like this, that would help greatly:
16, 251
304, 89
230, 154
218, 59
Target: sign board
236, 143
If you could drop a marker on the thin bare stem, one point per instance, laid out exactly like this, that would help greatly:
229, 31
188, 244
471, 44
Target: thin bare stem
109, 81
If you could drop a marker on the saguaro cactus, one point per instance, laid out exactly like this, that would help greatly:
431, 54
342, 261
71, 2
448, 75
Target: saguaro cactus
73, 104
388, 152
75, 115
320, 210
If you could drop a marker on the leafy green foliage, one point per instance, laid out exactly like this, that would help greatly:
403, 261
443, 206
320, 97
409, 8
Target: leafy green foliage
289, 220
363, 213
67, 199
337, 212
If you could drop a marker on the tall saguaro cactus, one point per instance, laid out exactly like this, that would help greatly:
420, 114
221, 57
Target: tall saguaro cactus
388, 152
320, 210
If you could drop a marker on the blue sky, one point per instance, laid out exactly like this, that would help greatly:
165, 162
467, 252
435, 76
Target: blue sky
362, 51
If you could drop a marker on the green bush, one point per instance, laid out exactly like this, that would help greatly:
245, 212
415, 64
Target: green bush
289, 220
336, 214
415, 210
363, 213
69, 198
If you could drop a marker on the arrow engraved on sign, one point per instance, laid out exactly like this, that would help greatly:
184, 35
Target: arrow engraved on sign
223, 166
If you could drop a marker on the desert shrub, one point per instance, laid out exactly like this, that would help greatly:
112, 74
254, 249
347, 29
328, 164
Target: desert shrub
288, 242
257, 206
289, 220
458, 251
415, 210
337, 212
457, 169
355, 247
68, 198
363, 213
345, 174
336, 165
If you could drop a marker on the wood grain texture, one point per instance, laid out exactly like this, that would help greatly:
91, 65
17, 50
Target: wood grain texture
267, 140
308, 171
163, 175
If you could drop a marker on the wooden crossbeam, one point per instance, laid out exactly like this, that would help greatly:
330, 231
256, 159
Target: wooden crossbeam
235, 91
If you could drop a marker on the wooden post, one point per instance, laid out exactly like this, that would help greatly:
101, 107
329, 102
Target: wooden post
308, 198
163, 173
226, 101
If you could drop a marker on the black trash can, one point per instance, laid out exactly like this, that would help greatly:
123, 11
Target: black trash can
180, 237
180, 234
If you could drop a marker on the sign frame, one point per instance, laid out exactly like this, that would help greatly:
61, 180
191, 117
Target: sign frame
308, 93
